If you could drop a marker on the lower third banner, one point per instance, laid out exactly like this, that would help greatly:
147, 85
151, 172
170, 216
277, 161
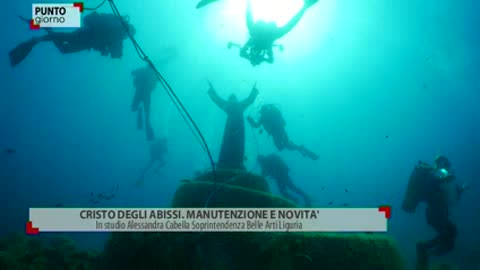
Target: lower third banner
208, 219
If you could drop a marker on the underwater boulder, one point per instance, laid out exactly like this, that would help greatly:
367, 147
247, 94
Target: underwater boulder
126, 251
347, 250
197, 193
6, 261
443, 266
37, 253
262, 251
246, 250
234, 188
326, 251
236, 178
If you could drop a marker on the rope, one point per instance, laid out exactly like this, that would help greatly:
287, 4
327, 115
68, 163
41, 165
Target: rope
168, 89
97, 7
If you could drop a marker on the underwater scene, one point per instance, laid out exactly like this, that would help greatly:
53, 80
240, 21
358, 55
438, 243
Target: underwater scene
243, 104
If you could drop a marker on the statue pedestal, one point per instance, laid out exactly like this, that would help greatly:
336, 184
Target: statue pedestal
239, 251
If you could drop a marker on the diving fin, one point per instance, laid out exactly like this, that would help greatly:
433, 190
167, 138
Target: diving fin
203, 3
305, 152
27, 21
312, 155
24, 19
19, 53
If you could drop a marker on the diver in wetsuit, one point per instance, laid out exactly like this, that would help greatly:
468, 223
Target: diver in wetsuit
259, 47
145, 82
272, 121
232, 152
273, 166
431, 185
100, 32
158, 150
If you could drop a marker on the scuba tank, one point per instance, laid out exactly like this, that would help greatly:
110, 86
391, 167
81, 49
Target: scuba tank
416, 187
273, 118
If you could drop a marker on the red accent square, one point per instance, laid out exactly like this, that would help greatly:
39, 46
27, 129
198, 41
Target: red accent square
79, 5
30, 229
387, 210
34, 26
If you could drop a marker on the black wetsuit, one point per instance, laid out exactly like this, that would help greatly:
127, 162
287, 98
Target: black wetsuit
100, 32
437, 215
259, 47
232, 152
274, 124
145, 82
272, 121
273, 166
158, 150
425, 186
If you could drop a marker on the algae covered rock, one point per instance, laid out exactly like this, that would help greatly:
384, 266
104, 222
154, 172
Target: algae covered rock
24, 252
196, 194
329, 251
443, 266
236, 178
151, 251
234, 188
238, 251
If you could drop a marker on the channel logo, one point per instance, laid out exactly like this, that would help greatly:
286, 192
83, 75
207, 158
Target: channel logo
56, 15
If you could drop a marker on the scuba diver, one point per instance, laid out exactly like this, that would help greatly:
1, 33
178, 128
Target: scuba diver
145, 81
100, 31
273, 166
232, 152
259, 47
272, 121
158, 149
434, 186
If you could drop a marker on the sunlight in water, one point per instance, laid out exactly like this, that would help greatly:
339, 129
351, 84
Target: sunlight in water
227, 22
278, 11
